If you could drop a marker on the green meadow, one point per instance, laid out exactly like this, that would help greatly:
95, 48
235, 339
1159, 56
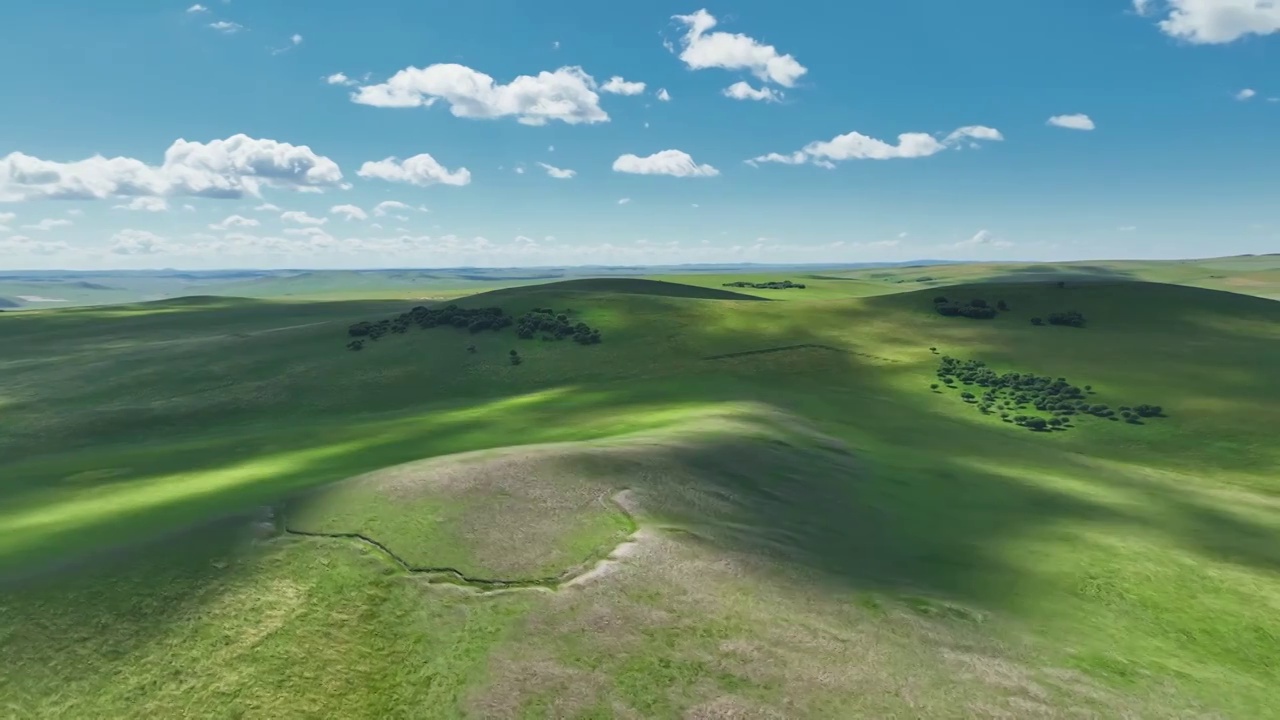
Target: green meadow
209, 507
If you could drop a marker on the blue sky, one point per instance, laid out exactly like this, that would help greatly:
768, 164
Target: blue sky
325, 112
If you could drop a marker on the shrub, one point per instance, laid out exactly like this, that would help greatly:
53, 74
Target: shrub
1037, 321
934, 386
1070, 318
939, 300
1001, 306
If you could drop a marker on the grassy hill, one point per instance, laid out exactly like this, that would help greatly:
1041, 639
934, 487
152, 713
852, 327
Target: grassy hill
810, 531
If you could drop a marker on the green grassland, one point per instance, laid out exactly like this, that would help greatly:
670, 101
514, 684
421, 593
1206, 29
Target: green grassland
810, 532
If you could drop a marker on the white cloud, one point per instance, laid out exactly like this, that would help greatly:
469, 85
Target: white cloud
796, 158
975, 132
567, 94
734, 51
302, 218
555, 44
667, 162
197, 8
1077, 121
23, 245
421, 169
73, 212
1246, 94
226, 27
664, 96
742, 90
519, 169
294, 41
387, 206
856, 146
48, 224
1212, 22
1127, 228
234, 221
339, 79
230, 168
137, 242
267, 207
350, 212
618, 86
558, 173
903, 234
983, 238
145, 204
624, 201
311, 233
6, 217
188, 207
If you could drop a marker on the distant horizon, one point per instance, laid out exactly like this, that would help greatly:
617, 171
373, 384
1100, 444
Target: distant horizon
921, 262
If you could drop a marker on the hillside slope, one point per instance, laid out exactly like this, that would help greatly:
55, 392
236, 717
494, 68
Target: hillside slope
1110, 565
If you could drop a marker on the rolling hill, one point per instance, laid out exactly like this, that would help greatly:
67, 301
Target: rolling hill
728, 508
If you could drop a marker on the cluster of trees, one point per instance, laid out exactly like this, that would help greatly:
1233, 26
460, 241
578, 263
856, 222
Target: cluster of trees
554, 326
977, 309
772, 285
1009, 392
1070, 318
473, 319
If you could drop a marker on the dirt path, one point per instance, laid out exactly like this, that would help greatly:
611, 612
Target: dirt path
591, 570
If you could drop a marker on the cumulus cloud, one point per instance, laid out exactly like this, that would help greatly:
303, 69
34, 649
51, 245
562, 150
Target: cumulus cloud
197, 8
386, 206
1212, 22
856, 146
743, 91
339, 79
144, 204
226, 27
302, 218
47, 224
420, 170
137, 242
664, 96
558, 173
618, 86
350, 212
983, 238
1078, 121
567, 94
676, 163
1246, 94
234, 221
624, 201
733, 51
230, 168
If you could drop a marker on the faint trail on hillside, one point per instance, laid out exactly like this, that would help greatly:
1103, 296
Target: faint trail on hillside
785, 348
576, 575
